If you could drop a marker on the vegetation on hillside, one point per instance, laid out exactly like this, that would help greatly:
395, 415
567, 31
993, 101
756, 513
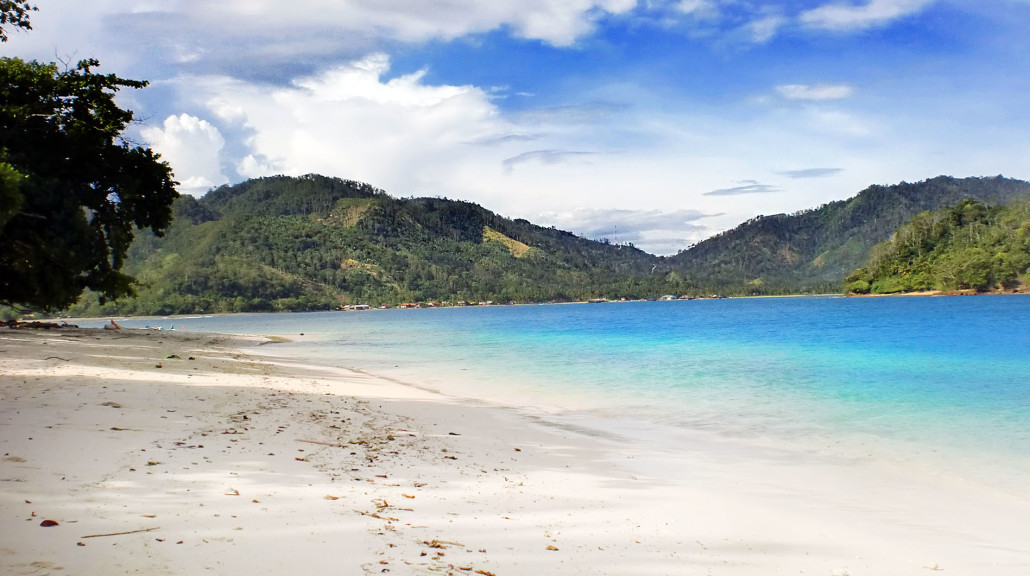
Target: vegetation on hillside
811, 251
969, 246
314, 243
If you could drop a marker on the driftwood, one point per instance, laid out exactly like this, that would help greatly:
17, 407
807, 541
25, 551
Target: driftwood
122, 533
332, 444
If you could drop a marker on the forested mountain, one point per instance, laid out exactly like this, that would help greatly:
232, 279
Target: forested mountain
970, 246
813, 250
284, 243
313, 242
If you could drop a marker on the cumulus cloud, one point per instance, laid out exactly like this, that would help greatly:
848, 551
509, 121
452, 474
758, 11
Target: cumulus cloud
747, 187
846, 17
400, 133
258, 166
192, 147
818, 92
811, 173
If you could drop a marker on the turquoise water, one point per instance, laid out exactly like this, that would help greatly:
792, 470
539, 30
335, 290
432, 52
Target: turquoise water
904, 376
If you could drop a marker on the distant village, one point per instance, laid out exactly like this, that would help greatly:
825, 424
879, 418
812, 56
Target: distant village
409, 305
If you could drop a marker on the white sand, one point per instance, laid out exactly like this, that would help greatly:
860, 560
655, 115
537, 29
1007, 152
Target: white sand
237, 465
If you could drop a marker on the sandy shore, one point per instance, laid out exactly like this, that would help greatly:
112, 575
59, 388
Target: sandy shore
175, 453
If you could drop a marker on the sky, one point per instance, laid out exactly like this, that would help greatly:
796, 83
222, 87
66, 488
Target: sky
652, 122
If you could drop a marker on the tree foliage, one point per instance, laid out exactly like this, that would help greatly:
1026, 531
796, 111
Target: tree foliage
969, 246
14, 13
73, 191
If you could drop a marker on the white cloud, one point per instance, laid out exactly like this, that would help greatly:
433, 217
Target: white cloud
818, 92
260, 38
227, 112
257, 166
192, 147
746, 187
764, 29
544, 157
811, 173
595, 221
840, 123
401, 134
662, 232
703, 9
846, 17
558, 22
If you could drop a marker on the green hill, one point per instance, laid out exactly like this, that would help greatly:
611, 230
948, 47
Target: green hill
969, 246
811, 251
313, 242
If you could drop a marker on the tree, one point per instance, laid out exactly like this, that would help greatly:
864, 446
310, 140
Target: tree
73, 190
16, 14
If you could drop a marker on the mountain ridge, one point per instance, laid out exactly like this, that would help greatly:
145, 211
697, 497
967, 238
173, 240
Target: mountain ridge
315, 242
812, 250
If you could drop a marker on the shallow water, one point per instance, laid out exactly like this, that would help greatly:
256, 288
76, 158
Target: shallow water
941, 381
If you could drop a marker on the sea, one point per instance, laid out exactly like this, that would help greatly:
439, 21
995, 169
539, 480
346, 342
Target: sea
935, 383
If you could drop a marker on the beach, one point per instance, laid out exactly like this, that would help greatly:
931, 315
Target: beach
157, 452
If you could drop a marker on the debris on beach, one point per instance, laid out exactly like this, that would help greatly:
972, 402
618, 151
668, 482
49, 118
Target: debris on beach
35, 325
441, 544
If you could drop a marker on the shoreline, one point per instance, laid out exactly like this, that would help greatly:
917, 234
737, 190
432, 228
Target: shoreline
57, 319
258, 464
927, 293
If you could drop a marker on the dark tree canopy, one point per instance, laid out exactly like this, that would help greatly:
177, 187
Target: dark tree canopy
72, 191
13, 13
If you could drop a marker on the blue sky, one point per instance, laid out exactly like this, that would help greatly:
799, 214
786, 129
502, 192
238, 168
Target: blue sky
647, 121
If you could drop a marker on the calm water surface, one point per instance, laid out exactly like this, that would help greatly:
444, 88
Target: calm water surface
909, 377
